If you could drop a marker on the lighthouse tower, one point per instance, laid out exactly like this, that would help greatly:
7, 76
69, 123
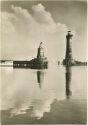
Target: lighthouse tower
40, 54
68, 61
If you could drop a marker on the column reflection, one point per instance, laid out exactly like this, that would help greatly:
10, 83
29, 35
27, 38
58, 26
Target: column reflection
68, 76
40, 77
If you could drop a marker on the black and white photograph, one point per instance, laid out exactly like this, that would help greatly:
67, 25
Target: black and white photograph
43, 62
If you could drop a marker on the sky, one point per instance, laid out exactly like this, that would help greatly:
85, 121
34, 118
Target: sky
24, 24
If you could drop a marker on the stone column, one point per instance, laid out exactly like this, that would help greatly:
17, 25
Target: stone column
68, 57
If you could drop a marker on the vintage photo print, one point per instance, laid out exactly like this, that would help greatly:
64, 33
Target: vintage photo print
43, 62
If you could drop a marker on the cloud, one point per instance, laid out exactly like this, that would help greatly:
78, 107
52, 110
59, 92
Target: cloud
22, 32
41, 15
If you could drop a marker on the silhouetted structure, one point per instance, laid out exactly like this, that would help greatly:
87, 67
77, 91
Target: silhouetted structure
68, 75
37, 63
40, 54
69, 61
68, 57
40, 78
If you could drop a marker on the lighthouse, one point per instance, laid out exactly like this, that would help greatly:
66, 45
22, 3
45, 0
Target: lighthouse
40, 62
68, 61
40, 54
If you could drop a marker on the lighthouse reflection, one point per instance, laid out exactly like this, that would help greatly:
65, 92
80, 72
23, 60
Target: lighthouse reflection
68, 76
40, 77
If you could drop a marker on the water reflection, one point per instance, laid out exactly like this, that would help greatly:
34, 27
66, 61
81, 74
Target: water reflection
68, 76
23, 100
40, 77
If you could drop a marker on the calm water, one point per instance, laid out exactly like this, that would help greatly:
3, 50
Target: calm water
56, 95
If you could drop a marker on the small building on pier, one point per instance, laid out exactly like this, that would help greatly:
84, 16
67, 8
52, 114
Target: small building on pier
40, 62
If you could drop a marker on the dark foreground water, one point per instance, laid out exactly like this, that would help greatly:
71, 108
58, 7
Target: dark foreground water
53, 96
